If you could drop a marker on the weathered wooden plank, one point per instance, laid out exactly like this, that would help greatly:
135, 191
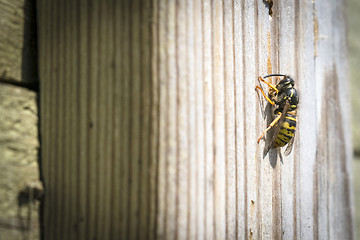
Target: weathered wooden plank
193, 211
145, 118
18, 160
154, 116
264, 169
287, 65
183, 148
208, 122
83, 105
155, 124
230, 129
332, 160
116, 188
248, 111
322, 17
241, 210
200, 148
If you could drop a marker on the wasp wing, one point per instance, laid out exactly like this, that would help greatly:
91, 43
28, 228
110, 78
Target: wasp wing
289, 146
279, 123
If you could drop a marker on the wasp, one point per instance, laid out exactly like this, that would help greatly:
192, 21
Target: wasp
284, 97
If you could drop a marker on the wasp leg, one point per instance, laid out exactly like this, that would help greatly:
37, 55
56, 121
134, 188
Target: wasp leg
269, 127
272, 102
269, 84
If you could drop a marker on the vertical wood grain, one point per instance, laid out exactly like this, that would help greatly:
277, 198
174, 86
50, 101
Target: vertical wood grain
150, 120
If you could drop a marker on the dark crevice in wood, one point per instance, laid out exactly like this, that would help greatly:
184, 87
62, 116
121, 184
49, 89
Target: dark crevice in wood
32, 86
156, 57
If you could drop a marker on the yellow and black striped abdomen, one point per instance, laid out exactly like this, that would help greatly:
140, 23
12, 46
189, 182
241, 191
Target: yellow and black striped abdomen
287, 130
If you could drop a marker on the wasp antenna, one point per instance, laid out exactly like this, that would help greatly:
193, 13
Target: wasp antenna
274, 75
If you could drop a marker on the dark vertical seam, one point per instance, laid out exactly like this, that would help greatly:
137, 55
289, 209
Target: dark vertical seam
114, 119
57, 161
56, 122
167, 95
72, 122
99, 167
40, 57
109, 121
71, 221
243, 34
226, 125
57, 183
235, 122
141, 112
49, 205
157, 157
113, 125
131, 116
31, 30
46, 153
78, 119
103, 124
98, 188
61, 120
123, 219
148, 22
89, 120
77, 130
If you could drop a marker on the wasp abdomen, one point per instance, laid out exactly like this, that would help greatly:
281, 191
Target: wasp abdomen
287, 130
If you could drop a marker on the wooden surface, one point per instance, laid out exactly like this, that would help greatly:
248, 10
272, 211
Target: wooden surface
150, 120
19, 214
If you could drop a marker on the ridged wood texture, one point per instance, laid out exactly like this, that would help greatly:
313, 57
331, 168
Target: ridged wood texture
150, 120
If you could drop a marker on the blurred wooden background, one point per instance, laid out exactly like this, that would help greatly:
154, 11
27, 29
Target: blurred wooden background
149, 120
354, 62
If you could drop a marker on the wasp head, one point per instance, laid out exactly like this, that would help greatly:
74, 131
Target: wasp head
286, 83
